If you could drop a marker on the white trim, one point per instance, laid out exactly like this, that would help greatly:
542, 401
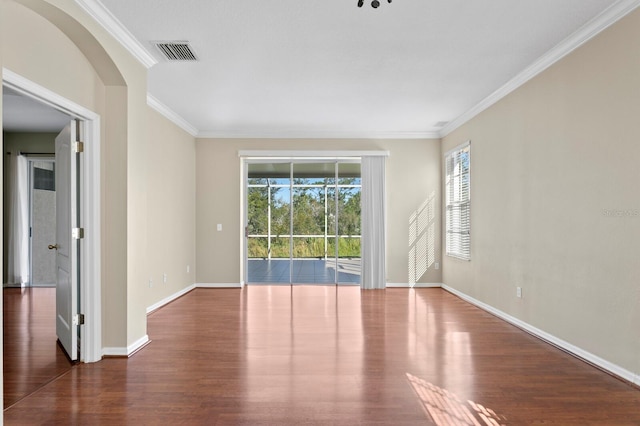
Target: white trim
244, 248
45, 96
91, 290
91, 287
114, 27
306, 134
14, 285
416, 285
310, 154
114, 351
171, 115
170, 299
129, 350
218, 285
592, 28
562, 344
457, 148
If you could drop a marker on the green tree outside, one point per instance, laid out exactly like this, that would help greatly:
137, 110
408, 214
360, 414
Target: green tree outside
308, 218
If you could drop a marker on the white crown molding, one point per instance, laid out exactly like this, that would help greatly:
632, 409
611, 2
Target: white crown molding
592, 28
113, 26
302, 134
171, 115
550, 338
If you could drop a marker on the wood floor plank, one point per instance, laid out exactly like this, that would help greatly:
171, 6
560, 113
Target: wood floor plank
31, 356
277, 355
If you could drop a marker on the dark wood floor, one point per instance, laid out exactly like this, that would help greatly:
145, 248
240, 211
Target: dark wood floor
31, 356
325, 355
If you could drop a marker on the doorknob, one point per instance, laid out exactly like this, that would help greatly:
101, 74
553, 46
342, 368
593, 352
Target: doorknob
53, 246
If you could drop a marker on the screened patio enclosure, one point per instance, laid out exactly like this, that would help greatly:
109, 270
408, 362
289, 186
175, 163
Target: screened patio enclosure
303, 222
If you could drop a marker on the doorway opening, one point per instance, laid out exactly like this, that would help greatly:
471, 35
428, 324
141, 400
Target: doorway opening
31, 354
42, 220
30, 299
303, 221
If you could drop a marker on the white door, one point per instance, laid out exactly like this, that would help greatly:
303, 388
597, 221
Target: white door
66, 250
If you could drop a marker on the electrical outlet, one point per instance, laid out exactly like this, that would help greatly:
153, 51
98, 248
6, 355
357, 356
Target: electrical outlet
219, 227
519, 292
164, 278
188, 269
437, 265
150, 282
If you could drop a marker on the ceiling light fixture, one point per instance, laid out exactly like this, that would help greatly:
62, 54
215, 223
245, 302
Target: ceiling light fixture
374, 4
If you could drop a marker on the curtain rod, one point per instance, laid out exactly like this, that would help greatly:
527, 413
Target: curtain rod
38, 154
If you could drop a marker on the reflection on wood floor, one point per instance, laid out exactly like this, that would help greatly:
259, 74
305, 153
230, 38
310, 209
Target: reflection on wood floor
276, 355
31, 356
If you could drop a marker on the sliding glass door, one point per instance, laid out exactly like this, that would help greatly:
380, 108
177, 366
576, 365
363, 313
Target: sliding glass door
310, 228
268, 225
303, 222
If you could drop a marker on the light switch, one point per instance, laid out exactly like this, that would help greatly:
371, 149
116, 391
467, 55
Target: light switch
219, 227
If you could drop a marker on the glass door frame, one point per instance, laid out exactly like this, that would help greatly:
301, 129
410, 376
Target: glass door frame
292, 161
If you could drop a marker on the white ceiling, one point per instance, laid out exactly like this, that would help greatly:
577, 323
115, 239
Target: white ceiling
23, 114
291, 68
314, 68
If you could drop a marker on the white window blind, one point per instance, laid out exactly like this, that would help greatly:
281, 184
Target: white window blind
458, 201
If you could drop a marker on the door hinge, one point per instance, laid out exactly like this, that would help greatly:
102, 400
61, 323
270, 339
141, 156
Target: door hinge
78, 147
77, 233
78, 319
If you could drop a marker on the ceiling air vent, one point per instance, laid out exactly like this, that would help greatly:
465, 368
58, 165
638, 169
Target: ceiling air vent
176, 50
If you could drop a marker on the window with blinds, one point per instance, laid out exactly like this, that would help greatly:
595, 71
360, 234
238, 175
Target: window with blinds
458, 202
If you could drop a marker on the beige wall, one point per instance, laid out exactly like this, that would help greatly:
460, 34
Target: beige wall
547, 162
413, 186
171, 201
30, 142
49, 58
55, 44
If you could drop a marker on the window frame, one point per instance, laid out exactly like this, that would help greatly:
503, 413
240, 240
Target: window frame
457, 252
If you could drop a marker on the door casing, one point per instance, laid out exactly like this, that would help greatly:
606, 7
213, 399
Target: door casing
90, 193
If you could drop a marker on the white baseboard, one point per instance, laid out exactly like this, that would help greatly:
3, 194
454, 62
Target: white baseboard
14, 285
129, 350
218, 285
549, 338
416, 285
186, 290
170, 299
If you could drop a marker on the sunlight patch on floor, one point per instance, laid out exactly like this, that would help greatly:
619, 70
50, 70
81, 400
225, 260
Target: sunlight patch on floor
446, 408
